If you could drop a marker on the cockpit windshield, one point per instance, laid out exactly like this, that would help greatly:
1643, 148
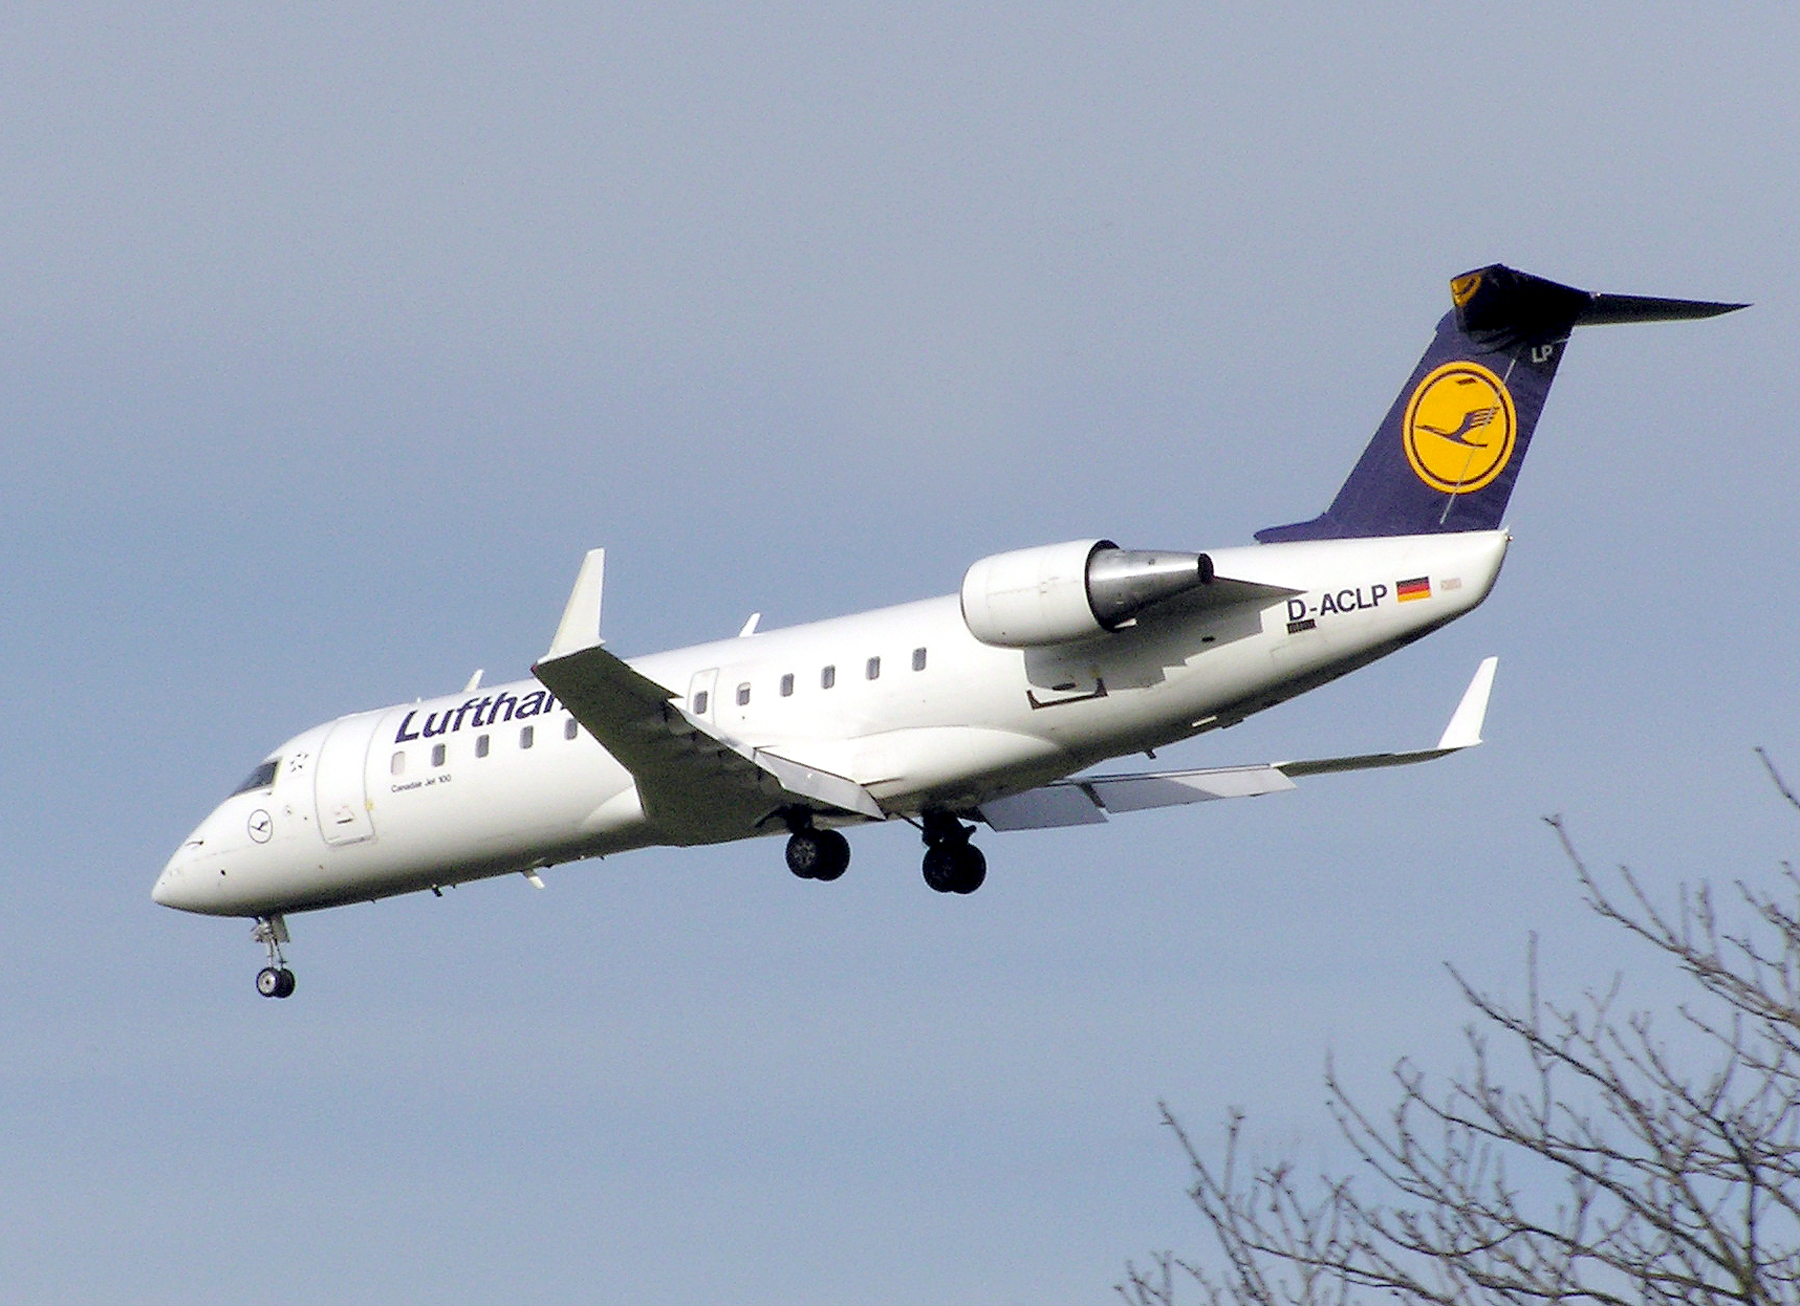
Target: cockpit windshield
261, 778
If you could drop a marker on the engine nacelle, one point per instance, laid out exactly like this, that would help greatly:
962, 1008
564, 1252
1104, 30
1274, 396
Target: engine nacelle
1062, 592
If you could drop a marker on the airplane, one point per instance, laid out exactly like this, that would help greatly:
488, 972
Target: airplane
986, 706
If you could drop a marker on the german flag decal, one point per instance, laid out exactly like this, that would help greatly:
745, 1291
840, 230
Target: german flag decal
1417, 588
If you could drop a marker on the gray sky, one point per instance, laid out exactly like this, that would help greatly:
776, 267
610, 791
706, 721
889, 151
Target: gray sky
334, 334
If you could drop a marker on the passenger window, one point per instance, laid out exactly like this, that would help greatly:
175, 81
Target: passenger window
571, 728
397, 764
743, 695
827, 677
481, 745
873, 670
918, 659
787, 685
437, 754
525, 736
700, 703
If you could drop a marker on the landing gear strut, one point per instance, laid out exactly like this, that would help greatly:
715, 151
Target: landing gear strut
816, 854
952, 863
274, 980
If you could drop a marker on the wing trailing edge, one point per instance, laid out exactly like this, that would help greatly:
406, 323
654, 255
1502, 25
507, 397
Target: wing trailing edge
696, 783
1088, 800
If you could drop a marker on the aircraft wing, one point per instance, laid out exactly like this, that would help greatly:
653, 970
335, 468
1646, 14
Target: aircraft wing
1087, 800
695, 783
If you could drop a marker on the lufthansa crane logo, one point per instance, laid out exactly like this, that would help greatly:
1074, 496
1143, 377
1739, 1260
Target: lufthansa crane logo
1460, 428
1462, 289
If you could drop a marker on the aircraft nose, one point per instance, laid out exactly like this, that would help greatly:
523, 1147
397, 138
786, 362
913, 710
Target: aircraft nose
178, 885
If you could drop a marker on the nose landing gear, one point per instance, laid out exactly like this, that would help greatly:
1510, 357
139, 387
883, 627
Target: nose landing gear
952, 863
274, 980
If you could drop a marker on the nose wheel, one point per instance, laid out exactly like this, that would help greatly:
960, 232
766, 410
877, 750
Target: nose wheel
274, 980
952, 863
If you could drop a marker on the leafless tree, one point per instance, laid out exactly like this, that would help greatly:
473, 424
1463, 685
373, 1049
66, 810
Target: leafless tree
1633, 1163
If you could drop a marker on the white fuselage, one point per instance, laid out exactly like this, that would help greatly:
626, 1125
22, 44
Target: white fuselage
913, 709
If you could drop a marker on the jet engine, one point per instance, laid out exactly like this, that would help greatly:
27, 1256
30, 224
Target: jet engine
1061, 592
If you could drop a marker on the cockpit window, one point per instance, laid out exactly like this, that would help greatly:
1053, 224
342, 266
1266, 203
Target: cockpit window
261, 778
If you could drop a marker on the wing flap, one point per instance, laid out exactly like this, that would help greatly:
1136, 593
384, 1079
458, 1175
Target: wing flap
1087, 800
820, 785
1138, 793
1050, 807
696, 784
689, 785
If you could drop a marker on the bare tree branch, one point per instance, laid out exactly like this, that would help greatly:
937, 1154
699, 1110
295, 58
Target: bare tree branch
1587, 1154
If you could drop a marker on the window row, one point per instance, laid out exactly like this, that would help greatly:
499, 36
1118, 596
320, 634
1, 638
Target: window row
440, 753
827, 680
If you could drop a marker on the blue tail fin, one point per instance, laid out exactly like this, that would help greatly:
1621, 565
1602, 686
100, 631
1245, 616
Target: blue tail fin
1446, 455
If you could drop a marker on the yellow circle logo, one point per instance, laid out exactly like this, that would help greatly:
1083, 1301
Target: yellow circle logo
1459, 428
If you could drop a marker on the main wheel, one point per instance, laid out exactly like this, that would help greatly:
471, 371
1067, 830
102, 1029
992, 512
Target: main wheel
834, 855
970, 869
940, 867
284, 985
806, 853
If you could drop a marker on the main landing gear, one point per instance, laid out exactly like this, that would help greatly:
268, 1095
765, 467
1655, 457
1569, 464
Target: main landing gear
274, 980
816, 854
952, 863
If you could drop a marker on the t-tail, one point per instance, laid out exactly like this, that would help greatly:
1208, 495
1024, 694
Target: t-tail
1447, 454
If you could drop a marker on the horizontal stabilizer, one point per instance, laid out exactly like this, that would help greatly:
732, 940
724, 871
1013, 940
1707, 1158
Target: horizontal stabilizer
1087, 800
1500, 303
1608, 310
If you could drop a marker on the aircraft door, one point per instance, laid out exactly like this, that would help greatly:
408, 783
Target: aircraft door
702, 699
340, 780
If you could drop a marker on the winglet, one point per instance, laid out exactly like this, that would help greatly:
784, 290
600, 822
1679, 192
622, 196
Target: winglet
580, 626
1464, 730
